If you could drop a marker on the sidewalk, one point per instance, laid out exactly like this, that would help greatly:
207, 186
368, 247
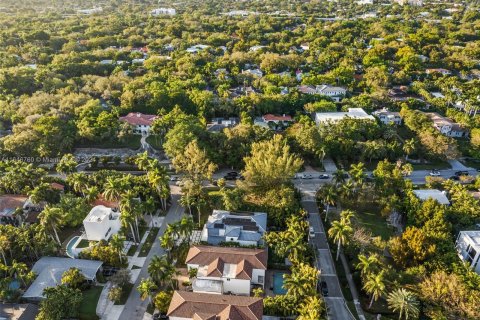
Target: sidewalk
329, 165
353, 288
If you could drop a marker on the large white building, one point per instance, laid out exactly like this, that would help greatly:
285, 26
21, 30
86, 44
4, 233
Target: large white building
468, 248
227, 270
335, 93
322, 118
141, 123
388, 117
101, 223
446, 126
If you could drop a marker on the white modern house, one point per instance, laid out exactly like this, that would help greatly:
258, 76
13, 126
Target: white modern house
245, 228
227, 270
323, 118
388, 117
101, 223
141, 123
163, 11
333, 92
254, 72
468, 248
197, 48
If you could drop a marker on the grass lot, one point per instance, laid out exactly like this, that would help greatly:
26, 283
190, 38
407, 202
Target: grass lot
155, 141
132, 250
88, 307
432, 165
375, 223
131, 142
125, 293
148, 242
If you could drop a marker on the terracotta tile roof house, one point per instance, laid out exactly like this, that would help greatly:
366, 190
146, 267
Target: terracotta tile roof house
201, 306
10, 202
226, 269
275, 118
140, 122
446, 126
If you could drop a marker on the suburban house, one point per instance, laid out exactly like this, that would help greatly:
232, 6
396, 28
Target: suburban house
417, 3
322, 118
437, 195
442, 71
163, 11
227, 270
50, 270
335, 93
274, 121
197, 48
401, 94
446, 126
256, 48
254, 72
245, 228
388, 117
468, 248
9, 204
200, 306
101, 223
141, 123
218, 124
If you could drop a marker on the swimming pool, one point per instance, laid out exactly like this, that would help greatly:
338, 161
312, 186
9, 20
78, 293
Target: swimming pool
69, 249
278, 283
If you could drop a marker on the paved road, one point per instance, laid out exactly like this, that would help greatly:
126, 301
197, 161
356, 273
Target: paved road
135, 308
335, 301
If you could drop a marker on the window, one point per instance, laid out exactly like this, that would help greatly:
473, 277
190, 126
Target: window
261, 279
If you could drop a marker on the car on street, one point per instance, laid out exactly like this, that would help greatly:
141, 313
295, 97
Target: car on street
434, 173
461, 173
227, 177
173, 178
455, 178
233, 173
160, 316
324, 288
323, 176
306, 176
311, 233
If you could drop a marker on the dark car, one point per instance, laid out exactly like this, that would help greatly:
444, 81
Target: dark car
324, 288
232, 173
454, 178
323, 176
158, 316
461, 173
227, 177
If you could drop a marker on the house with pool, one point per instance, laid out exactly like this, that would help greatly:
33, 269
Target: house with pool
226, 270
100, 224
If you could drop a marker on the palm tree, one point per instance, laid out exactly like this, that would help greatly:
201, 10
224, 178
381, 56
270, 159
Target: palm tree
127, 219
162, 270
158, 179
375, 286
302, 281
185, 229
404, 302
357, 172
79, 182
409, 147
347, 189
129, 205
347, 215
340, 232
148, 206
328, 196
91, 194
143, 161
367, 265
339, 176
19, 270
51, 218
112, 190
146, 288
117, 243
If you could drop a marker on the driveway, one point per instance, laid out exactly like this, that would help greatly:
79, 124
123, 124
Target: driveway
135, 308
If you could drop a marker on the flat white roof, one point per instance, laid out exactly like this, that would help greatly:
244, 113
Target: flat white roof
354, 113
473, 235
98, 214
425, 194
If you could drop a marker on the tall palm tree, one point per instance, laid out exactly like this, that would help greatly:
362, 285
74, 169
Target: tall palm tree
405, 303
148, 206
375, 286
347, 215
91, 194
79, 182
51, 218
302, 281
357, 172
158, 179
340, 232
130, 205
338, 176
162, 270
368, 265
142, 161
328, 196
117, 243
185, 229
19, 270
127, 219
112, 190
409, 147
348, 190
146, 288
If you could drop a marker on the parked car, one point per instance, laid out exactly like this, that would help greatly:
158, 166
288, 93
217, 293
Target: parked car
434, 173
324, 288
160, 316
307, 176
461, 173
323, 176
454, 178
227, 177
173, 178
232, 173
311, 232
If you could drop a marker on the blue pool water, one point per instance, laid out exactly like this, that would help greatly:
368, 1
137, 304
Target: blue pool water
70, 245
278, 283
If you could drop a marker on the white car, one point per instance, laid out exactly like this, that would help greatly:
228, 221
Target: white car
307, 176
435, 173
311, 232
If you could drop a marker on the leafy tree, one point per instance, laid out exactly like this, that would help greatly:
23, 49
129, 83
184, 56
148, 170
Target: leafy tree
67, 164
302, 281
73, 278
60, 302
162, 300
146, 288
194, 163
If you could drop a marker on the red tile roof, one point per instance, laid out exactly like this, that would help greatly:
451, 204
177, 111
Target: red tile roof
272, 117
204, 306
137, 118
10, 202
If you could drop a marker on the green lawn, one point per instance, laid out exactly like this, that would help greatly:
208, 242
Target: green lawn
375, 223
155, 141
432, 165
132, 250
88, 307
148, 242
